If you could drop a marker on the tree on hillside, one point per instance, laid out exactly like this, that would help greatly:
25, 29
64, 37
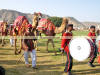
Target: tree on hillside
56, 20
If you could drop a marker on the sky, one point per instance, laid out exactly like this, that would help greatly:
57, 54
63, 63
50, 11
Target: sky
82, 10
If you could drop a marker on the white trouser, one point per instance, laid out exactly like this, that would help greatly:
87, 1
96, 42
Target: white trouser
11, 41
33, 57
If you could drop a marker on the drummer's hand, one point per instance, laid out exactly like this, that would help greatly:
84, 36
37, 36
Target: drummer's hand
62, 50
98, 53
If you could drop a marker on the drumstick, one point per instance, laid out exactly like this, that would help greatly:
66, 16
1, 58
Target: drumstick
62, 58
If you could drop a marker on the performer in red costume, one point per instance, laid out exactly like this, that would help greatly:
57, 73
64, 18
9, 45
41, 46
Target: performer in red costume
67, 36
92, 35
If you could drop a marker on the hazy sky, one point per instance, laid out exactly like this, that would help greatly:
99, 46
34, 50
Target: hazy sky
83, 10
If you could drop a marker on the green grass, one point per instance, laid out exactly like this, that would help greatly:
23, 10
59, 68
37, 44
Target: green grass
80, 33
48, 63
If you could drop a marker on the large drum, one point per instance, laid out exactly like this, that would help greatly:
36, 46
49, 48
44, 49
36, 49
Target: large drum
81, 48
98, 46
98, 43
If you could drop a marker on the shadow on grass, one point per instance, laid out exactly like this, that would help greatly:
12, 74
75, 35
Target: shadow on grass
44, 55
87, 71
3, 48
49, 73
49, 51
79, 63
42, 44
3, 53
43, 69
43, 62
48, 69
10, 62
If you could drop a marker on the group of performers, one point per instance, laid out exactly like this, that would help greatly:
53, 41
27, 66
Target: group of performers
65, 45
28, 46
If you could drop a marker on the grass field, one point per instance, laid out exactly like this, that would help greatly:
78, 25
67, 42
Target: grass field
48, 63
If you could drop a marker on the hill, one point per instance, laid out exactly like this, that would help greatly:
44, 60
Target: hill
76, 23
11, 15
88, 24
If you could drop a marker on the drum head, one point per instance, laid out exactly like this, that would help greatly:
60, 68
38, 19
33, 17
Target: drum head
79, 49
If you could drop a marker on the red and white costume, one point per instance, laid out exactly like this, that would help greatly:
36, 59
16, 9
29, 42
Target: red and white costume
64, 45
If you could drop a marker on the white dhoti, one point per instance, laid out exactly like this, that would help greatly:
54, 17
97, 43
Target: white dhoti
33, 57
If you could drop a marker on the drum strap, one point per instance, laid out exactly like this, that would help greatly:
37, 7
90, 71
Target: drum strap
65, 44
95, 47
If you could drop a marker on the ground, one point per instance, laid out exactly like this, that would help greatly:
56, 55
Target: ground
48, 63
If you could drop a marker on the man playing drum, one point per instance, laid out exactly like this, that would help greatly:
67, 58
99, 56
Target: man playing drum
92, 35
67, 35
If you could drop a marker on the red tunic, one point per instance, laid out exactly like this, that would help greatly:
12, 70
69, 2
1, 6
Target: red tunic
28, 44
11, 32
4, 32
92, 36
65, 40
